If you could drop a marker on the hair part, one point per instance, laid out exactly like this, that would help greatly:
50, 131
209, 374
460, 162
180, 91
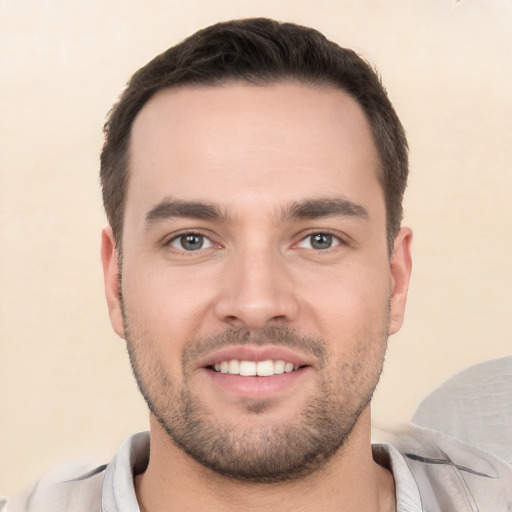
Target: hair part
258, 51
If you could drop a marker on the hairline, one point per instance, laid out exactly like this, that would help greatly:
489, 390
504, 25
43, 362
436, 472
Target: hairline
256, 81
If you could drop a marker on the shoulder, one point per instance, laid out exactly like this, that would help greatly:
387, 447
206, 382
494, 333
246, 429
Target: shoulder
475, 406
85, 487
72, 487
453, 475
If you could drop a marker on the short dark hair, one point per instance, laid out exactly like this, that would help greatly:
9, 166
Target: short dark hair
259, 51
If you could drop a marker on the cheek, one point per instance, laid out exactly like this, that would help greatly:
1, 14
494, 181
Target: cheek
169, 299
351, 304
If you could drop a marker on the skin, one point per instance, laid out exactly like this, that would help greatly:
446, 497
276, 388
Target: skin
251, 152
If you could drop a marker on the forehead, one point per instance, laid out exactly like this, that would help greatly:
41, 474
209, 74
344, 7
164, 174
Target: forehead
265, 142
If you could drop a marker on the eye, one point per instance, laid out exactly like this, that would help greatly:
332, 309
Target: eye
190, 242
319, 241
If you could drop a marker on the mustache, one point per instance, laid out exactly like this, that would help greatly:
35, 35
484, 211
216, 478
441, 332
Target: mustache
283, 336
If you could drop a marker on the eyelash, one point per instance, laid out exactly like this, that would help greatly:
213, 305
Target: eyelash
337, 240
326, 232
176, 237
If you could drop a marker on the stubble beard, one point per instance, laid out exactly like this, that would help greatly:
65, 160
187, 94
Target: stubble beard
275, 453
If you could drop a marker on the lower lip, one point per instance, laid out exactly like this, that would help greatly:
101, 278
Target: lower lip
257, 387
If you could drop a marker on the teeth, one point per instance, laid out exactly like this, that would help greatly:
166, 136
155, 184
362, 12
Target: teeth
252, 368
247, 368
234, 367
279, 367
265, 368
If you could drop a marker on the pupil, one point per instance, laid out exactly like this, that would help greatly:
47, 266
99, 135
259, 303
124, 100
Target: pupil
192, 242
321, 241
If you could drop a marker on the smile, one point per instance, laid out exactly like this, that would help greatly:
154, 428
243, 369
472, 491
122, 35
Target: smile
252, 368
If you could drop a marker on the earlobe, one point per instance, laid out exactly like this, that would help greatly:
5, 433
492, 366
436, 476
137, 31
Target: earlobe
111, 279
401, 266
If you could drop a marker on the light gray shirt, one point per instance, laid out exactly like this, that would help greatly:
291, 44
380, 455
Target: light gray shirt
433, 472
475, 406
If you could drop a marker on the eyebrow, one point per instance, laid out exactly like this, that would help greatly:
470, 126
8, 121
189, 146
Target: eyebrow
170, 208
308, 209
324, 207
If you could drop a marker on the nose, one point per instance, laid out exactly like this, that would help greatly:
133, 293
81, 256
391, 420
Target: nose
257, 290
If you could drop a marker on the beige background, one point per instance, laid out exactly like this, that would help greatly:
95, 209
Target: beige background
66, 387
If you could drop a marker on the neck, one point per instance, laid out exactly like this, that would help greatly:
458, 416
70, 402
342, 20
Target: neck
351, 480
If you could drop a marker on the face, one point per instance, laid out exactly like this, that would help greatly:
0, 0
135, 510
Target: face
257, 290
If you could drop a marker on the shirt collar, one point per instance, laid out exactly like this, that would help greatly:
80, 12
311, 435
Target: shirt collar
406, 489
119, 492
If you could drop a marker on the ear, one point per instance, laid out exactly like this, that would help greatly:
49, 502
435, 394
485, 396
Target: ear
111, 279
400, 265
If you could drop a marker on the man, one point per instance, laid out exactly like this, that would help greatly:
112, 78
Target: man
255, 264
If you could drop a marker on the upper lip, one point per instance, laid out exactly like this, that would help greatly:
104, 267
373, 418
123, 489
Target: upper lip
254, 353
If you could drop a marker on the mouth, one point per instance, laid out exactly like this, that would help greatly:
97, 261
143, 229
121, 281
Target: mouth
256, 372
247, 368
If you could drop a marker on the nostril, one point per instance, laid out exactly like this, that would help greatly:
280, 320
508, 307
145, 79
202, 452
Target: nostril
278, 318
